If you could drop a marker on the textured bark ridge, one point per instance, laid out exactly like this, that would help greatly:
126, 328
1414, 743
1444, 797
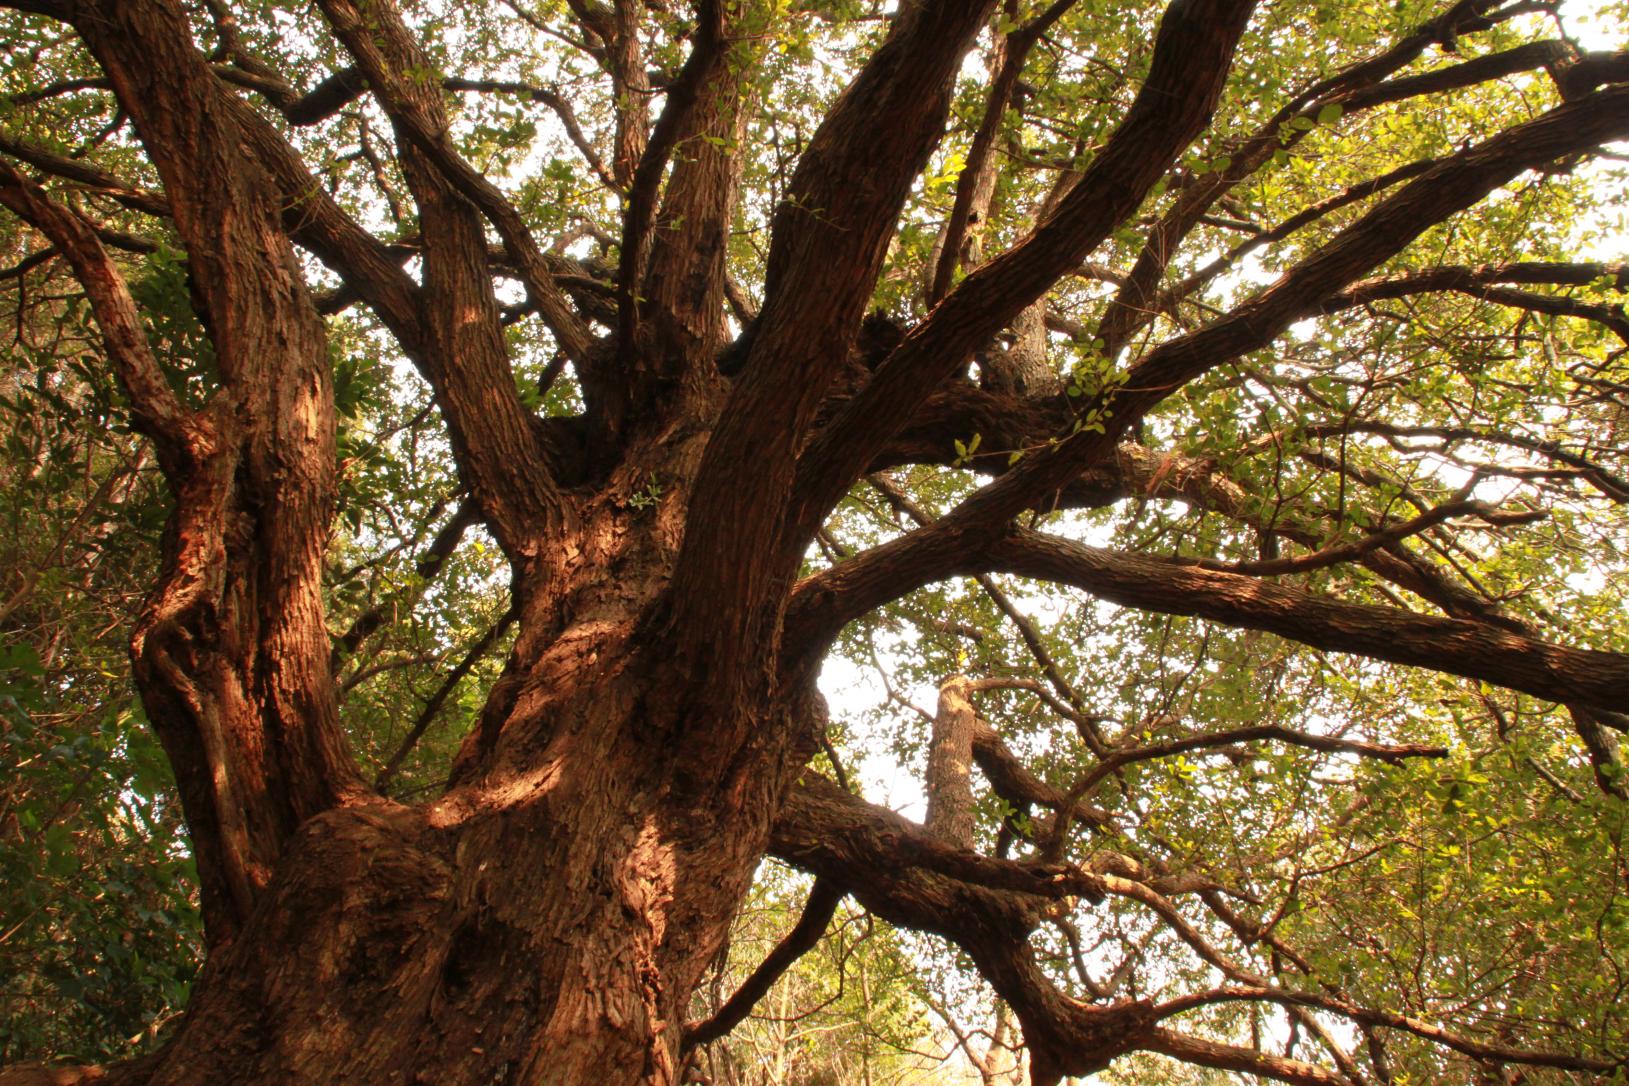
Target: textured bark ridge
546, 918
541, 925
950, 764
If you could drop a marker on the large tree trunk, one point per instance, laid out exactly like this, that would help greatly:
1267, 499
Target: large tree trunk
545, 922
546, 919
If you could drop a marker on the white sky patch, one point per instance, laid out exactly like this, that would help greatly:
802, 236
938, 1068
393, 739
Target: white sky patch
1592, 26
1303, 330
1596, 28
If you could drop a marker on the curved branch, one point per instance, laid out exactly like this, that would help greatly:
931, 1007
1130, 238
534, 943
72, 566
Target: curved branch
1075, 709
805, 935
1478, 1050
1250, 1061
878, 857
1478, 650
155, 410
1471, 649
1612, 485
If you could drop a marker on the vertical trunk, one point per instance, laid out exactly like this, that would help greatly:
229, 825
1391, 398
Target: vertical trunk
950, 764
1024, 369
544, 922
230, 652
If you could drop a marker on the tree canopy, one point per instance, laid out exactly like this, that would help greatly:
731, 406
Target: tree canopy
500, 498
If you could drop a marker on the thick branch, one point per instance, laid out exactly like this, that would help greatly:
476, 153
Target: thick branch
1250, 1061
1192, 55
829, 239
1472, 649
231, 652
639, 213
899, 873
1452, 186
823, 603
1012, 780
492, 431
385, 51
154, 409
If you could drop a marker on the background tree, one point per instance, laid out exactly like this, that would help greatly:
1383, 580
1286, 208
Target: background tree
97, 934
1219, 407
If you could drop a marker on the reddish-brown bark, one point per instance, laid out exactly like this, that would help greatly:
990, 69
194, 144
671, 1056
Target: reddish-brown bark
546, 919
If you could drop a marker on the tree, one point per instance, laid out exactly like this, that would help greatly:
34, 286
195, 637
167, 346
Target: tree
99, 935
742, 324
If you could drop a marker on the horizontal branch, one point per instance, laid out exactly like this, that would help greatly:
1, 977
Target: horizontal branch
1250, 1061
1609, 483
822, 604
82, 173
1472, 649
1468, 1046
1338, 553
1391, 754
1481, 282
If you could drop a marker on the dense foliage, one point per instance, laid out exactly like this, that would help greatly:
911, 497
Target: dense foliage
1325, 851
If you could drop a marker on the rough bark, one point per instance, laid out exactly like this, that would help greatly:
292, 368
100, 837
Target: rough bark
950, 764
546, 918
